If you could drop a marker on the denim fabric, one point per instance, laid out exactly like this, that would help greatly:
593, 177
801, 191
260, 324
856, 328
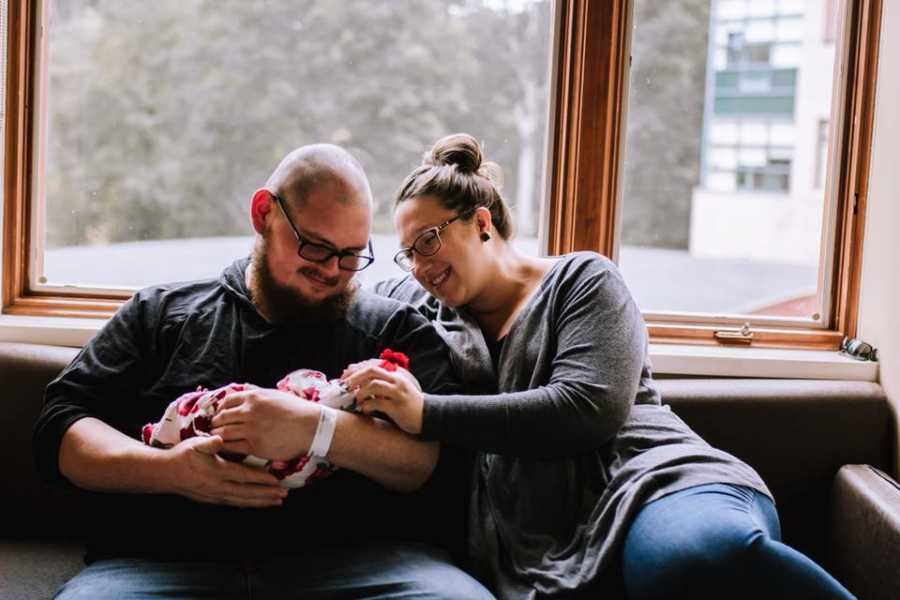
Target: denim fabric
370, 571
717, 541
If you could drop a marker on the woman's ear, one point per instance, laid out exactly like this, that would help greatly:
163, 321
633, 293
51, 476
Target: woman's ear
484, 222
260, 206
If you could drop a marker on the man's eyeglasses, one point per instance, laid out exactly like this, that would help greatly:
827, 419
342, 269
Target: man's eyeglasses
426, 244
858, 349
320, 253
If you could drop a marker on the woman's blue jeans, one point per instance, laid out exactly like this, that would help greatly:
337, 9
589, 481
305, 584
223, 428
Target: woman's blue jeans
717, 541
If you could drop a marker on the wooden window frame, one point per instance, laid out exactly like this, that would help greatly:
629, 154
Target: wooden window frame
25, 26
585, 152
590, 94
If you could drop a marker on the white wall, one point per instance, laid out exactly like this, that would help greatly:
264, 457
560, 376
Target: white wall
879, 322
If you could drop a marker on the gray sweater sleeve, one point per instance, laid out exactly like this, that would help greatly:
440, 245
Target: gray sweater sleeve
577, 365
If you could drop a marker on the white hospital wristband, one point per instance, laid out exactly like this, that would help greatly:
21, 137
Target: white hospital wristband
324, 432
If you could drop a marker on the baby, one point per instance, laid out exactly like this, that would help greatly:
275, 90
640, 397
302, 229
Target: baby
191, 415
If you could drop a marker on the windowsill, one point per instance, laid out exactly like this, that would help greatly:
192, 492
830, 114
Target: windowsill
53, 331
718, 361
668, 359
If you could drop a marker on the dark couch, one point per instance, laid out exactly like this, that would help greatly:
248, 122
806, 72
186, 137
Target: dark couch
797, 434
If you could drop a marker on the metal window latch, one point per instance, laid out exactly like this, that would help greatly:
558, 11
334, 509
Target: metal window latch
742, 336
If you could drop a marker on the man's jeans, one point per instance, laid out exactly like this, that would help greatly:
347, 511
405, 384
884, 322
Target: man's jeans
370, 571
717, 541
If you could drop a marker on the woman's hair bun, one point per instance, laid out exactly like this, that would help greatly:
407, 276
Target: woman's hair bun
493, 173
459, 149
468, 182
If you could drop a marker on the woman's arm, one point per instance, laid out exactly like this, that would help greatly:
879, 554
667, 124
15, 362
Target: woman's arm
600, 341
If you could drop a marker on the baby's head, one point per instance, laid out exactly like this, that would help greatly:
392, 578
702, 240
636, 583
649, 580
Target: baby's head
315, 387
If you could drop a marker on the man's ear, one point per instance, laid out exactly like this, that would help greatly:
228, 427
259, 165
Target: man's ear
260, 207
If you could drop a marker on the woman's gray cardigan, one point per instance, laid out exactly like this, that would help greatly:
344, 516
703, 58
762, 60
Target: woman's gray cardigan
570, 434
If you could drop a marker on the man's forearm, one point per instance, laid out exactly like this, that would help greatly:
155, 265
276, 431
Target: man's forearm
382, 452
97, 457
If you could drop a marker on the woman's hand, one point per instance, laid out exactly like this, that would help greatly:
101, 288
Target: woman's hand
377, 362
396, 394
267, 423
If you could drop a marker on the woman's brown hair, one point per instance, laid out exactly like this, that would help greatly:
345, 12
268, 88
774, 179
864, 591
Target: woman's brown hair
455, 174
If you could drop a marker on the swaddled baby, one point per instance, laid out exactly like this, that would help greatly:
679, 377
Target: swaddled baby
191, 415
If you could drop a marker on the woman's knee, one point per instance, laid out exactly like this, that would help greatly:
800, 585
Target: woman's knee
706, 559
679, 554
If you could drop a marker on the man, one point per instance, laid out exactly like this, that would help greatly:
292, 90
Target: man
186, 523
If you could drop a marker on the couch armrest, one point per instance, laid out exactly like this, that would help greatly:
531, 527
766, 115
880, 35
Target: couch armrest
864, 544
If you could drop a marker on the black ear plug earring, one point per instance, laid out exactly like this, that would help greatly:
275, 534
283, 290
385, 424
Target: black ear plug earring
485, 236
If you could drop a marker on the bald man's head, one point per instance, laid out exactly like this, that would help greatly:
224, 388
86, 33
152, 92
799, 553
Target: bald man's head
326, 208
308, 167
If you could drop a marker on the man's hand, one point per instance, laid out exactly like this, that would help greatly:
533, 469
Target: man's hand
199, 474
396, 394
267, 423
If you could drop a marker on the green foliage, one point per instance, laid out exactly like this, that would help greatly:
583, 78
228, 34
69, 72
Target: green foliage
163, 117
665, 121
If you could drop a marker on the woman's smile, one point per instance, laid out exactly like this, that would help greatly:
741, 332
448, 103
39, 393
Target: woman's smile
439, 278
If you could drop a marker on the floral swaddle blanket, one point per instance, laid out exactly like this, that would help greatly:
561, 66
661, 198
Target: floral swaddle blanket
191, 415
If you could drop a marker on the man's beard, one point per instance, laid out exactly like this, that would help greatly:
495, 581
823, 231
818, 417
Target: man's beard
284, 305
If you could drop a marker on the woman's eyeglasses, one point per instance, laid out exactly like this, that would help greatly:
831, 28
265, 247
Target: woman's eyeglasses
320, 253
426, 244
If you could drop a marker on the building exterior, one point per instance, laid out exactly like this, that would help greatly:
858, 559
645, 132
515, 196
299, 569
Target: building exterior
764, 154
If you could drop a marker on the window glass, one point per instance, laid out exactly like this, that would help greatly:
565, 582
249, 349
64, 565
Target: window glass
163, 117
723, 196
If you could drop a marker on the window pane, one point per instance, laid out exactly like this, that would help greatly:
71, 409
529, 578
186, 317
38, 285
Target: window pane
163, 117
725, 156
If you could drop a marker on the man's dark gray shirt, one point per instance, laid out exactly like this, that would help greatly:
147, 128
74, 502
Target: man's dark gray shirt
169, 339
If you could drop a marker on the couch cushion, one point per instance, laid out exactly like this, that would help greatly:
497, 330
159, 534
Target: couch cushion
34, 568
25, 370
864, 536
795, 433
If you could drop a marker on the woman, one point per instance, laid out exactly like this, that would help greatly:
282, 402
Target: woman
584, 482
